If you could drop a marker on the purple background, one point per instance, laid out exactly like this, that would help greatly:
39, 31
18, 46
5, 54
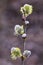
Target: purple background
9, 17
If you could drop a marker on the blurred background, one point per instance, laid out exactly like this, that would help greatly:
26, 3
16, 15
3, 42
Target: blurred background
10, 16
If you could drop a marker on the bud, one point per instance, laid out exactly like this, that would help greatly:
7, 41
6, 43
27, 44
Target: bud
24, 35
26, 22
18, 30
26, 10
15, 53
26, 53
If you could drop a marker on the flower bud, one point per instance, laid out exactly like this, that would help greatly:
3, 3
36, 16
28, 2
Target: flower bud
18, 30
26, 10
26, 22
15, 53
26, 53
24, 35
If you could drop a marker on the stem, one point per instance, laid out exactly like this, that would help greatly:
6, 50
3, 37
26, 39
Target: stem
23, 39
22, 62
24, 42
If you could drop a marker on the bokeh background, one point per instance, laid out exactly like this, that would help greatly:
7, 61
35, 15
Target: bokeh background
10, 16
